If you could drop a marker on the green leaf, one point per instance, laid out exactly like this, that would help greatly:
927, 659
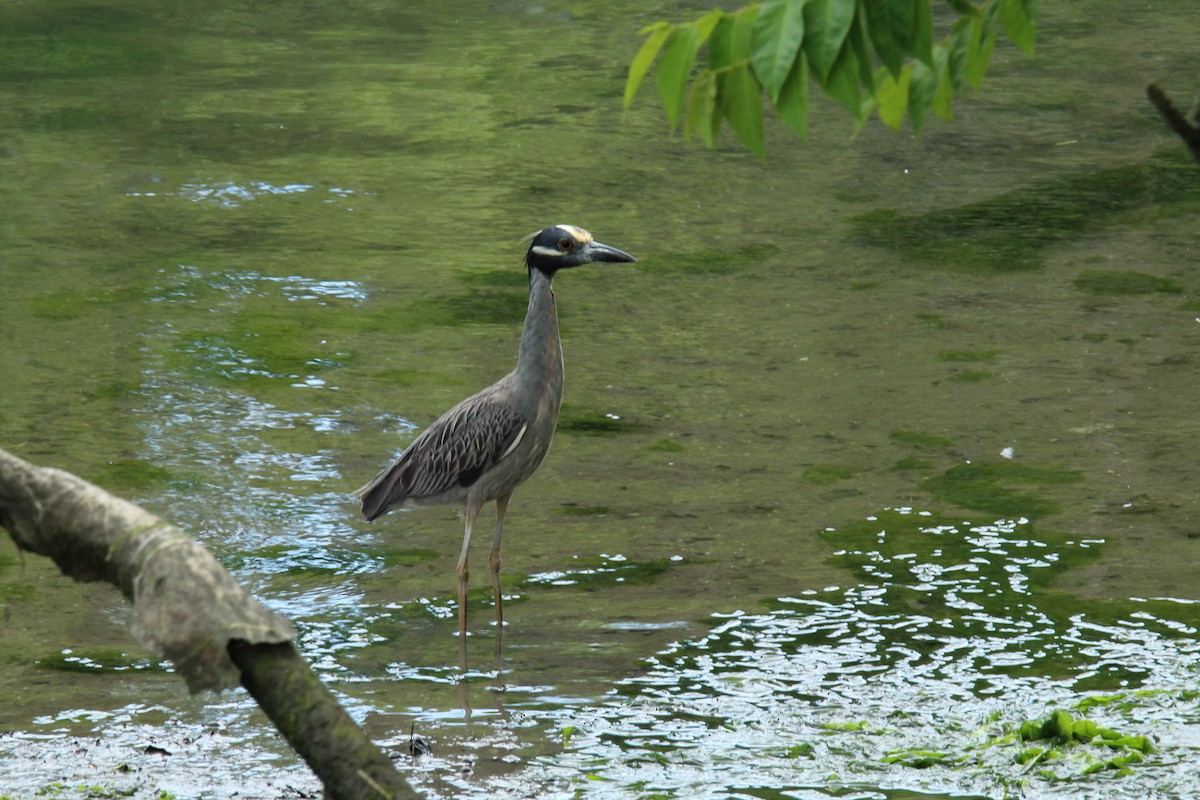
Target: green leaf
706, 24
890, 24
826, 23
963, 7
979, 48
862, 53
702, 117
922, 34
792, 105
645, 57
778, 33
922, 87
741, 101
892, 96
675, 68
959, 48
943, 96
842, 82
741, 38
720, 43
1017, 17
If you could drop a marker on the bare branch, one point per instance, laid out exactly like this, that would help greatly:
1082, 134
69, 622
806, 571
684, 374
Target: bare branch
189, 609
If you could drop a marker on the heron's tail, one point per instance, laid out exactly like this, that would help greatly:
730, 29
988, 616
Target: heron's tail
383, 492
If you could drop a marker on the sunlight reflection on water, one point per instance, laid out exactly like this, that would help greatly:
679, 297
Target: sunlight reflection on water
776, 702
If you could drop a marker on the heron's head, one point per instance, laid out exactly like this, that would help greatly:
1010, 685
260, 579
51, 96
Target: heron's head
563, 246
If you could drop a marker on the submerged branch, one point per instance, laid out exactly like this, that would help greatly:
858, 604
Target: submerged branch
189, 609
1186, 126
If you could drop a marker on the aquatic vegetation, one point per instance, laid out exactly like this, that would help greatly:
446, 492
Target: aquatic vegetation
590, 422
924, 440
584, 511
594, 572
827, 473
987, 487
933, 670
1067, 753
970, 375
1116, 282
132, 473
1010, 232
967, 355
96, 659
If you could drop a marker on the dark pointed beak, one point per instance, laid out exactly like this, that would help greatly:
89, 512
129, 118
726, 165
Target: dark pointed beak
602, 252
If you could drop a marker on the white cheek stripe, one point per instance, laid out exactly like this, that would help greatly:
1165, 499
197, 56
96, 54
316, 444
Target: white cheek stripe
546, 251
516, 441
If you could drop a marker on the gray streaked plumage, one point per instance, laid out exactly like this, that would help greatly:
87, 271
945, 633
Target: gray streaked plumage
490, 443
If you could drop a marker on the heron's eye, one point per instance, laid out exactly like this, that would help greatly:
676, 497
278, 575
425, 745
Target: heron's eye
566, 244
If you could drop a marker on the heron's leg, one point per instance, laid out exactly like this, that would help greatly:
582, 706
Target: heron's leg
464, 571
494, 556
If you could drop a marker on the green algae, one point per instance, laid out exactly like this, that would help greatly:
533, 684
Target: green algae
133, 473
970, 375
1011, 232
96, 659
592, 422
989, 487
1123, 282
923, 440
584, 511
827, 473
966, 356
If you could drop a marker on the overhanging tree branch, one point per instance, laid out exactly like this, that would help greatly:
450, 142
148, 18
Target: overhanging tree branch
189, 609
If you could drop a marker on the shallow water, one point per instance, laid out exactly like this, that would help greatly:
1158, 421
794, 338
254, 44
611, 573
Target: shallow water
878, 451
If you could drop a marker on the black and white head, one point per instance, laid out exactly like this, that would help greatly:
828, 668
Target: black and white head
563, 246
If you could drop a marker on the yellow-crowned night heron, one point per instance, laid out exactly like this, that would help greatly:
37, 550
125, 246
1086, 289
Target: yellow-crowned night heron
488, 444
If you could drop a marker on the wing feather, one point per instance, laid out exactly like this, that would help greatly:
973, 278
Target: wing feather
456, 450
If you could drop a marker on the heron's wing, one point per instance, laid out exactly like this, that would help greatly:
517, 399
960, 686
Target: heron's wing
465, 442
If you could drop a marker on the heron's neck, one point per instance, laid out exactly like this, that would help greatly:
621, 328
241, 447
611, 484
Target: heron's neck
540, 359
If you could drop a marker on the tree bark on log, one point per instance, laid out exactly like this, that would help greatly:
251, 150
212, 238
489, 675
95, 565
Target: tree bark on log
1188, 127
189, 609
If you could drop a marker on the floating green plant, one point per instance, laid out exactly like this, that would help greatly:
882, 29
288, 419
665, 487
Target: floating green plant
844, 727
1103, 748
802, 750
666, 446
920, 759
